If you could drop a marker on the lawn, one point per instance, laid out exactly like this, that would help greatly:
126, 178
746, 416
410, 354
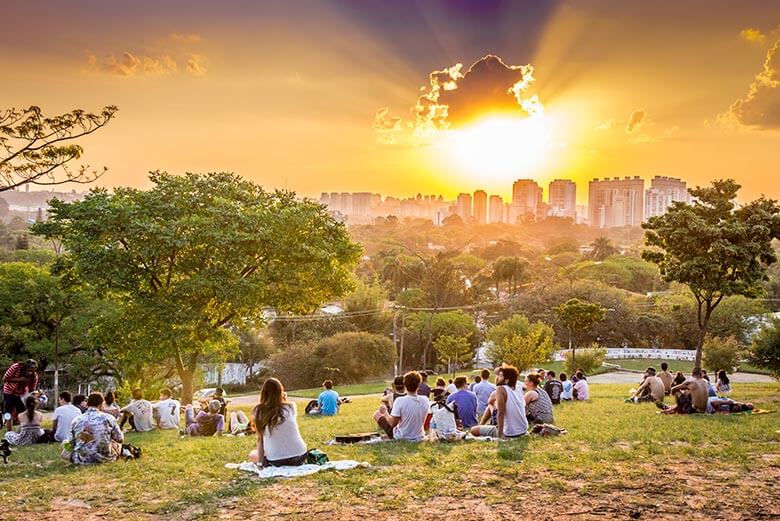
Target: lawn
618, 460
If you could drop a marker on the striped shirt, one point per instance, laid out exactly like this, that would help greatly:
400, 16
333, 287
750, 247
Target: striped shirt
19, 389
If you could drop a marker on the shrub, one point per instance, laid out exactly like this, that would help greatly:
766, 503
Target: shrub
721, 353
520, 343
586, 359
765, 352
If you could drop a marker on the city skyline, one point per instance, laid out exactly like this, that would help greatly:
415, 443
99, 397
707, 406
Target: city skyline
351, 98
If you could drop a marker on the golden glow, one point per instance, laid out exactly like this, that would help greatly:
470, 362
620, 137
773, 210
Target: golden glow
499, 148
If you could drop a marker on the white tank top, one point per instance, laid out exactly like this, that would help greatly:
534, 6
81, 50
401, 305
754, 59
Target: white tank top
515, 422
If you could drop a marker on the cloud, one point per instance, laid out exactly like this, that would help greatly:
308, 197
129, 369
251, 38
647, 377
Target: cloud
760, 108
186, 37
605, 125
635, 121
128, 64
195, 65
386, 126
752, 35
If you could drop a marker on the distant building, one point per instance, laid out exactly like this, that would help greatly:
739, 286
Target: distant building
464, 206
361, 204
496, 210
480, 206
616, 202
526, 198
562, 197
662, 193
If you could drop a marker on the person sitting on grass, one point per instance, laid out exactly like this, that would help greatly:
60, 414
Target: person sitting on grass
406, 419
691, 395
424, 389
553, 388
483, 390
219, 395
166, 412
474, 381
581, 390
110, 406
465, 403
678, 379
95, 436
328, 401
63, 417
206, 423
650, 390
723, 385
279, 441
138, 413
30, 421
567, 388
538, 405
451, 388
666, 377
80, 402
511, 421
443, 422
441, 383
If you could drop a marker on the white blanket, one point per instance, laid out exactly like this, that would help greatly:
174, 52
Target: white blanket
293, 472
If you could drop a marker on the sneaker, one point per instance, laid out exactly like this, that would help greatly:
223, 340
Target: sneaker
661, 405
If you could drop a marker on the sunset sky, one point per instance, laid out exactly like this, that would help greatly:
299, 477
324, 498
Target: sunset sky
368, 95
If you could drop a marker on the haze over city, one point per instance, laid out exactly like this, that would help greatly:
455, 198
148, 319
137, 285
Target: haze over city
437, 97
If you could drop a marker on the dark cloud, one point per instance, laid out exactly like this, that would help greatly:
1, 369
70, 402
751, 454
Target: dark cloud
760, 108
635, 121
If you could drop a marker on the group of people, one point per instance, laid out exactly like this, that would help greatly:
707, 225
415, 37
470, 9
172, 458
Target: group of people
692, 395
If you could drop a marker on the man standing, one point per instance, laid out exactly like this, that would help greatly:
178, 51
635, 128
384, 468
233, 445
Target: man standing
483, 390
406, 419
19, 380
166, 411
139, 412
63, 417
666, 377
553, 387
328, 400
465, 403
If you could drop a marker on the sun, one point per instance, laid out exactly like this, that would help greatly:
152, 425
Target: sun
499, 147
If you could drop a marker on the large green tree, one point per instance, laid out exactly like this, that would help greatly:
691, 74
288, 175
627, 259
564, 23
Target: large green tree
714, 246
577, 317
198, 253
518, 342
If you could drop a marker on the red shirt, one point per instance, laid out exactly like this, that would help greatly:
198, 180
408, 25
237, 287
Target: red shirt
19, 389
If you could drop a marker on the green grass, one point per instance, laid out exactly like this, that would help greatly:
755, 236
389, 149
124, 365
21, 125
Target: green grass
640, 364
610, 454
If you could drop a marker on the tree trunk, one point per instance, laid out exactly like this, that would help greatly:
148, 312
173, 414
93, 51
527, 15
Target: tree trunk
704, 322
186, 374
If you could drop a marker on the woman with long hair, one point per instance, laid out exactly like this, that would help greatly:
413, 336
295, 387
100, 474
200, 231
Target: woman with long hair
723, 385
279, 441
29, 425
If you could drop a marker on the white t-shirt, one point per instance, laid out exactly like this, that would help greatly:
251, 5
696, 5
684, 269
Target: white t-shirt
583, 393
285, 440
64, 415
168, 413
142, 415
451, 389
443, 420
412, 410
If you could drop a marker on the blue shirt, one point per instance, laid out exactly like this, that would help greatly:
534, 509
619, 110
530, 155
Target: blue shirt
466, 403
483, 390
329, 402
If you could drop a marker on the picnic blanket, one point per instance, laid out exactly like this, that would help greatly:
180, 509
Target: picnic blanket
749, 413
294, 472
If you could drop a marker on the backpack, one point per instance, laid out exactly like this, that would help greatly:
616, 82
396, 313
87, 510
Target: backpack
130, 451
547, 429
316, 457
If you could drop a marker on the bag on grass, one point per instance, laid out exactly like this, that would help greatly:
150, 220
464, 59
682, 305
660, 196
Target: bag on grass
130, 451
547, 429
316, 457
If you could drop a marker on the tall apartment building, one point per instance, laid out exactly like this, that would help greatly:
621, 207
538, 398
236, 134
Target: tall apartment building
496, 209
562, 198
616, 202
526, 198
662, 193
464, 206
480, 206
361, 204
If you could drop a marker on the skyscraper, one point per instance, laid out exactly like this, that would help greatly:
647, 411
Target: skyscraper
464, 206
496, 209
562, 197
662, 193
480, 206
526, 196
616, 202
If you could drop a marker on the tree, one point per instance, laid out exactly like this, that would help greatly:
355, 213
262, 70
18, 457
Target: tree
601, 248
424, 326
34, 148
714, 247
518, 342
197, 254
578, 317
511, 270
765, 351
453, 349
721, 353
254, 347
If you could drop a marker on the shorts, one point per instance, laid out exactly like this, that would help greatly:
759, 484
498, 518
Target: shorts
13, 404
492, 431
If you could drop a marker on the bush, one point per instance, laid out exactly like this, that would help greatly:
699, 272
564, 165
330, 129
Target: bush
765, 352
520, 343
721, 353
345, 358
586, 359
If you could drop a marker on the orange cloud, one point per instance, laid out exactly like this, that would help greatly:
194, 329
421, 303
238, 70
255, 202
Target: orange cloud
760, 108
753, 35
186, 37
195, 65
128, 64
635, 121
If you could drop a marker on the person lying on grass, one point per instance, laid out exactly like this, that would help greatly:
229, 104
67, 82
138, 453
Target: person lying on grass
406, 419
279, 442
650, 390
509, 402
207, 422
538, 405
95, 436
